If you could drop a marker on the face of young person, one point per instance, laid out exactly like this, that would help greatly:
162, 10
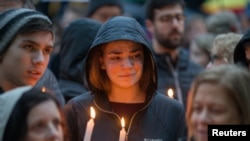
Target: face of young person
197, 55
212, 105
44, 123
168, 26
103, 13
26, 59
123, 62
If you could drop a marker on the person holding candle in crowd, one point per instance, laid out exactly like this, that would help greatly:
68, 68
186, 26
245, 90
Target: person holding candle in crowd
219, 95
165, 21
28, 114
121, 75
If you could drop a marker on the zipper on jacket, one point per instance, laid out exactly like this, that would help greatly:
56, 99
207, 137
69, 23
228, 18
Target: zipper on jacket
176, 80
130, 123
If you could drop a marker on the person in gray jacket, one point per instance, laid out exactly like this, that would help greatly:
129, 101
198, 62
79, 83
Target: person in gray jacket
121, 74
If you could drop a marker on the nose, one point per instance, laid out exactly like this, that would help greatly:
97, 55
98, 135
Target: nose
175, 22
203, 116
127, 62
38, 58
54, 133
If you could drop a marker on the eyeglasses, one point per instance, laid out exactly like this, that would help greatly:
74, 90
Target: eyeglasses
169, 18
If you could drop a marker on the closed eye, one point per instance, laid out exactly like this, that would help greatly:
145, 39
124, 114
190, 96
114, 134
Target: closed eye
115, 58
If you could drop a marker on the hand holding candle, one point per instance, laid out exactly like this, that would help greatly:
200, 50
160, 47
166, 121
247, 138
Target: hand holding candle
90, 125
122, 132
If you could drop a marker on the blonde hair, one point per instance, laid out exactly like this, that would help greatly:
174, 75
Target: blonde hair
234, 80
224, 44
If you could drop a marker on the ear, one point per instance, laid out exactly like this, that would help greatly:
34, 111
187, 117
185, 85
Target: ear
102, 64
150, 26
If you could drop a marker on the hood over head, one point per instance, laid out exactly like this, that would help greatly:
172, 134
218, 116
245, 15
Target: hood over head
239, 51
8, 101
121, 28
76, 41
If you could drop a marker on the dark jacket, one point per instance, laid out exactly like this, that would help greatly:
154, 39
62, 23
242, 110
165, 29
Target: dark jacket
186, 69
239, 51
160, 118
76, 42
49, 81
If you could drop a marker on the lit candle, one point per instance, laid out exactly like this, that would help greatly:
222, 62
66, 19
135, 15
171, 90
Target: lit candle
90, 125
122, 132
170, 93
43, 89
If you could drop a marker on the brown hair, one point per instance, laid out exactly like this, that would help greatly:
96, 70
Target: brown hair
233, 79
99, 81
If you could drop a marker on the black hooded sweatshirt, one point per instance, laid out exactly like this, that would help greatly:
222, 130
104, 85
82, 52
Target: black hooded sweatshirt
161, 118
76, 42
239, 51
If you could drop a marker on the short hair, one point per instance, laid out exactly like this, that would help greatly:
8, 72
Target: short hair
223, 22
94, 5
233, 79
204, 42
224, 45
151, 5
17, 125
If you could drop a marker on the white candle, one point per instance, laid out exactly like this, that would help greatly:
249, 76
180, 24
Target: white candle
90, 125
122, 132
170, 93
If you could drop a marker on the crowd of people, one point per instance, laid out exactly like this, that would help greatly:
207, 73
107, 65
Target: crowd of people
164, 80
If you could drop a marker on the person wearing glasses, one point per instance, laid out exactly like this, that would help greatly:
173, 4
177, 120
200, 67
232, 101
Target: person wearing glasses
165, 21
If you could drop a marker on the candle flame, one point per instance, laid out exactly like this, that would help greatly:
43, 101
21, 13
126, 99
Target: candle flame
43, 89
92, 112
123, 122
170, 93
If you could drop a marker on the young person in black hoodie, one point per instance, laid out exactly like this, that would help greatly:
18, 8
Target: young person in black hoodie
121, 74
